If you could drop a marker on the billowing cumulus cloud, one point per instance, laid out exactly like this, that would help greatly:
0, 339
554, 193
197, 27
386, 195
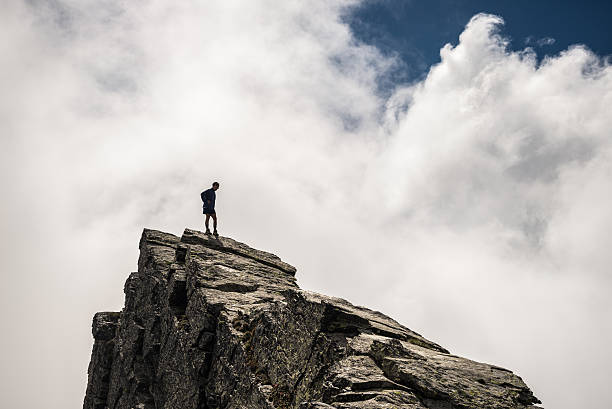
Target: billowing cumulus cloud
500, 170
491, 138
472, 206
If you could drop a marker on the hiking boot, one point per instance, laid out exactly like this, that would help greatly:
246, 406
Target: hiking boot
215, 234
207, 231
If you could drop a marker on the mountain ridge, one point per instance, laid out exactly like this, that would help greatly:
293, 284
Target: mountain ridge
214, 323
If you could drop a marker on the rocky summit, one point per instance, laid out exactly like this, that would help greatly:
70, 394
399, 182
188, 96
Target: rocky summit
214, 323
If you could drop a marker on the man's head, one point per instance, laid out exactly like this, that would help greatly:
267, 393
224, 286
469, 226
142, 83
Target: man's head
215, 185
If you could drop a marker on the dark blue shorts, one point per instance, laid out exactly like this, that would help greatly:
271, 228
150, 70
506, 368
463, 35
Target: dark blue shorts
209, 211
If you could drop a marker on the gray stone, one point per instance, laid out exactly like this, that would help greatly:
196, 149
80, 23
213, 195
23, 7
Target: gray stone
213, 323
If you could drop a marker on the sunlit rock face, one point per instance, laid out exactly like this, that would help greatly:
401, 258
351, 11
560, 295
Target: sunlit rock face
213, 323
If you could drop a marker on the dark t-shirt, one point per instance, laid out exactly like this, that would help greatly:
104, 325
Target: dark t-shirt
209, 195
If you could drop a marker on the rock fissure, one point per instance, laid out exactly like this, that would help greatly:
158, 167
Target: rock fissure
212, 323
313, 346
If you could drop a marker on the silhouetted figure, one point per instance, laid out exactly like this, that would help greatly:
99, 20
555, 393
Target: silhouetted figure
208, 198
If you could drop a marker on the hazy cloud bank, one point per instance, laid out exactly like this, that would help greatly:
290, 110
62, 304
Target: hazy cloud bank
472, 206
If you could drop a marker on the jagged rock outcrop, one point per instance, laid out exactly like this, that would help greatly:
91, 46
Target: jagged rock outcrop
213, 323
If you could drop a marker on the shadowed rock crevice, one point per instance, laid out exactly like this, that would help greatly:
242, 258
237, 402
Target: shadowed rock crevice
103, 329
214, 323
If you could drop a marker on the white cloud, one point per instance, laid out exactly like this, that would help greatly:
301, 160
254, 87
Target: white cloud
475, 212
546, 41
540, 42
491, 139
500, 170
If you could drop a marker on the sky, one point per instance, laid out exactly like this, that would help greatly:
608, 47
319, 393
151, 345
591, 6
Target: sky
415, 30
448, 165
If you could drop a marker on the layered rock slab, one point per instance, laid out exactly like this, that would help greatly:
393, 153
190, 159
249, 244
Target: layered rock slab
213, 323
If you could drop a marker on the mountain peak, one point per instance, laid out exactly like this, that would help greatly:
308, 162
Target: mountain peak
213, 323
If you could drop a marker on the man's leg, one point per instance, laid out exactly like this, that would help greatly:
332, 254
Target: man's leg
206, 223
214, 217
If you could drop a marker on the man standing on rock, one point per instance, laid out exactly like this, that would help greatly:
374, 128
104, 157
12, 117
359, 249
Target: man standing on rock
208, 197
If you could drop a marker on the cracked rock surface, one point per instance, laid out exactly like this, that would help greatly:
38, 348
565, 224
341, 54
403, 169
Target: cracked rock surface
213, 323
